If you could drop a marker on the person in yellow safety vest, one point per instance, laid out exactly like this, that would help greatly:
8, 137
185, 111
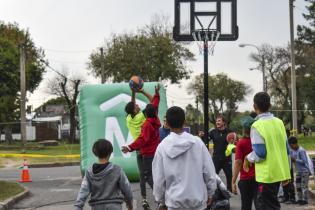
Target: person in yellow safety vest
270, 154
231, 138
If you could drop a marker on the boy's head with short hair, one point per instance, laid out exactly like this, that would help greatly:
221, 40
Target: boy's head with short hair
102, 149
132, 108
175, 117
293, 142
149, 111
261, 102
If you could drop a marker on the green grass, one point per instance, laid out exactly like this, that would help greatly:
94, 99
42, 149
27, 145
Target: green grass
9, 189
35, 148
308, 142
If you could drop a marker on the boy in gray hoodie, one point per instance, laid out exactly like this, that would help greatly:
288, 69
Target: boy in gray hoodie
105, 182
183, 172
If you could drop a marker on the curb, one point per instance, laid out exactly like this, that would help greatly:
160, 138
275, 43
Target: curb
50, 165
7, 204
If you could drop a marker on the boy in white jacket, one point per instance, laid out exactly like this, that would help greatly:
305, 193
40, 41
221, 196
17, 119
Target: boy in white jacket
183, 172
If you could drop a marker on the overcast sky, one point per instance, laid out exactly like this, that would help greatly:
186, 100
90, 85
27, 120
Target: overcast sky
69, 30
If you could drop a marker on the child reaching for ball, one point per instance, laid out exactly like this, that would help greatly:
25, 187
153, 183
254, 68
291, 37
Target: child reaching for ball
148, 140
135, 120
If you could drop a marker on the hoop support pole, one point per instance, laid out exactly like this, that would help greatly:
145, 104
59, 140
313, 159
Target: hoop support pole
206, 95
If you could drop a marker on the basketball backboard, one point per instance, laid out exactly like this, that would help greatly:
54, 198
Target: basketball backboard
214, 15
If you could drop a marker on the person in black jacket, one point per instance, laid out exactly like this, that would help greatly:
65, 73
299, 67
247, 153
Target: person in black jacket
218, 137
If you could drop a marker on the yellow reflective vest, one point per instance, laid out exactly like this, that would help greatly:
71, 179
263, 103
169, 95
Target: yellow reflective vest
275, 168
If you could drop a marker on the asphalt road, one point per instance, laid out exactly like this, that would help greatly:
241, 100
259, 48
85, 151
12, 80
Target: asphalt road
57, 188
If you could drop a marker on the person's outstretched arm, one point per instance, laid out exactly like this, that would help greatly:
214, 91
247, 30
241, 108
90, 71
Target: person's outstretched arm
82, 195
133, 96
156, 98
146, 94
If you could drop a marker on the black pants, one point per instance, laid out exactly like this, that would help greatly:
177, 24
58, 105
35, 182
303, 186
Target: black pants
289, 189
226, 165
142, 179
267, 196
248, 189
147, 170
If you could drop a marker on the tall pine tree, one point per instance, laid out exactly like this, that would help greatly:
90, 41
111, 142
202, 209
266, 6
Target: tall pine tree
305, 49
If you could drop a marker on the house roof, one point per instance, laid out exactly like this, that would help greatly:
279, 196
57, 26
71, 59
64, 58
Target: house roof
47, 119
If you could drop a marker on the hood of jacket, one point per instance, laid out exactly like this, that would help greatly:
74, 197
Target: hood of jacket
100, 174
154, 121
178, 144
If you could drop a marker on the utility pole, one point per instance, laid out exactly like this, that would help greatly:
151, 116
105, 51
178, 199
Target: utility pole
293, 77
102, 66
23, 94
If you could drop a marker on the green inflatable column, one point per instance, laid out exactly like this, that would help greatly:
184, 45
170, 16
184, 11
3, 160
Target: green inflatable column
102, 115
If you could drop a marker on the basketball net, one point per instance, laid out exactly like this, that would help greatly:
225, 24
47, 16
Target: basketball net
206, 38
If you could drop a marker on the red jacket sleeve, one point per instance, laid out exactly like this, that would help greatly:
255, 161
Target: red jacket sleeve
143, 139
156, 100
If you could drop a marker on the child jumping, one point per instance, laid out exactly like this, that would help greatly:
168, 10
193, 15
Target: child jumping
149, 138
299, 157
183, 172
135, 119
105, 182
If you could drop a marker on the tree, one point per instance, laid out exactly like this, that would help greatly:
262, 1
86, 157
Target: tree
68, 89
151, 53
53, 101
224, 94
193, 118
278, 72
11, 38
9, 113
305, 47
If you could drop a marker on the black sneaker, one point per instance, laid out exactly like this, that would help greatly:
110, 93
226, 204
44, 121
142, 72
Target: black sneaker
283, 200
290, 202
303, 203
145, 205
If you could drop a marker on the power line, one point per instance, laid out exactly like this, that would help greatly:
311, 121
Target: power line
54, 70
70, 62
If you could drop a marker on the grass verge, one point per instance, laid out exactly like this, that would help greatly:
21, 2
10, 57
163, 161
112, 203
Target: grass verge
308, 142
35, 148
9, 189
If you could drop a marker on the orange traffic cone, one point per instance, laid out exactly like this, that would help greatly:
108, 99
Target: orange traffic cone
25, 177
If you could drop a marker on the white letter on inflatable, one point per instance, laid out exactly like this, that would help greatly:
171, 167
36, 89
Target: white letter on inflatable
112, 129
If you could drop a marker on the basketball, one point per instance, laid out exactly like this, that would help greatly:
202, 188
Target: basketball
231, 137
136, 83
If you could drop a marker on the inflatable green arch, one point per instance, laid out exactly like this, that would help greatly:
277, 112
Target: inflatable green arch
102, 115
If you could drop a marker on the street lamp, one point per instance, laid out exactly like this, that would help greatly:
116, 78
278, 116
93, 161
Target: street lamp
262, 64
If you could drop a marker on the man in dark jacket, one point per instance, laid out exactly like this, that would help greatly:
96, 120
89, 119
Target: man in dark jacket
218, 137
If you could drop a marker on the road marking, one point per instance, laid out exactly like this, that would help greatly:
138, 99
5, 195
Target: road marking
39, 156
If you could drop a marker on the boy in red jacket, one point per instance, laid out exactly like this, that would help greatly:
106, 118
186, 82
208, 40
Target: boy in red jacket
149, 138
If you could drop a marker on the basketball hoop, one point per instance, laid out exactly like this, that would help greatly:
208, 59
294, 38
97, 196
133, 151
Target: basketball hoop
206, 38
